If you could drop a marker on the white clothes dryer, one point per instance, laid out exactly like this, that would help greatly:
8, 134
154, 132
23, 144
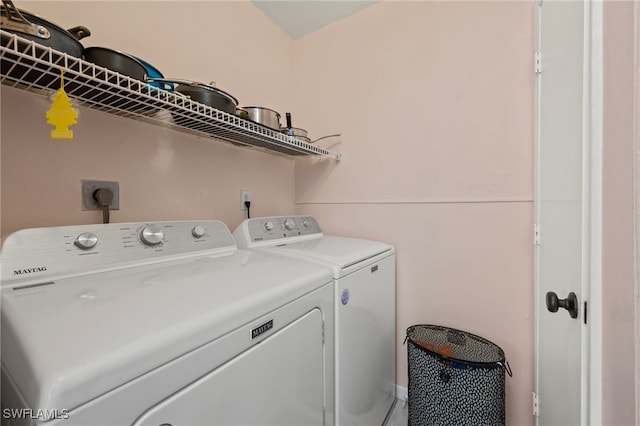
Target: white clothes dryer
165, 323
364, 300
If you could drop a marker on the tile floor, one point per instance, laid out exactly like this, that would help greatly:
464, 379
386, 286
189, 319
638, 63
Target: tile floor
399, 414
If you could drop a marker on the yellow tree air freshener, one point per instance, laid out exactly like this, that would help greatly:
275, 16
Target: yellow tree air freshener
61, 114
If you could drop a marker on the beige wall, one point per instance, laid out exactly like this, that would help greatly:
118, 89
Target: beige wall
636, 126
434, 103
163, 174
618, 358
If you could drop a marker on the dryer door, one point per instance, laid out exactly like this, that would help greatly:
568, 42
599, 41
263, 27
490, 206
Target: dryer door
277, 382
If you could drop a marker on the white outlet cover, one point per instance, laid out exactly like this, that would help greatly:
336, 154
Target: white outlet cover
244, 196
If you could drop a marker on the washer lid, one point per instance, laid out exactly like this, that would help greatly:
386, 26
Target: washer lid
341, 253
68, 341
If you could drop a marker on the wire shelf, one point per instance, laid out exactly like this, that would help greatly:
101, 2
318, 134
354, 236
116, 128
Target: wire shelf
36, 68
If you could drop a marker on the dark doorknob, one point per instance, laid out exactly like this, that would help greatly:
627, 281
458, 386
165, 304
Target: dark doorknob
570, 303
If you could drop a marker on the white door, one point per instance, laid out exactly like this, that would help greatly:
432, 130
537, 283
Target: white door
563, 211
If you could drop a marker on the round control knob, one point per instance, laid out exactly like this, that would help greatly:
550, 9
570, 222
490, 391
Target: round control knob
289, 224
306, 223
86, 240
198, 231
151, 235
268, 226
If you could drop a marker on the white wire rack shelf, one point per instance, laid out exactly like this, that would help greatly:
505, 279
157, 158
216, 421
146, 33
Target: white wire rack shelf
36, 68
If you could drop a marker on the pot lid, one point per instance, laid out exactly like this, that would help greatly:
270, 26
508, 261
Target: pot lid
195, 84
206, 87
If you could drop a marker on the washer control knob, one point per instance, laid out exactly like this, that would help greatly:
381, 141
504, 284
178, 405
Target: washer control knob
151, 235
306, 223
289, 224
268, 226
86, 240
198, 231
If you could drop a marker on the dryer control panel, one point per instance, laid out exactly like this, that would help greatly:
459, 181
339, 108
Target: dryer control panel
257, 231
46, 253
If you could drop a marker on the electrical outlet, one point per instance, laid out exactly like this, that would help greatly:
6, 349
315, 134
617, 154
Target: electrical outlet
244, 196
90, 186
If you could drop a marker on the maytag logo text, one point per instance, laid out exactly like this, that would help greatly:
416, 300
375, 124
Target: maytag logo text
29, 270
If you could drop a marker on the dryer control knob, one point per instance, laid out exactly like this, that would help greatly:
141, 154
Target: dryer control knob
198, 231
289, 224
86, 240
268, 226
151, 235
306, 223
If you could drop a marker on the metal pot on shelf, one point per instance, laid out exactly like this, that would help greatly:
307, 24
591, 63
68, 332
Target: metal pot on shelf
265, 116
242, 113
126, 64
294, 131
206, 94
117, 61
154, 73
32, 27
302, 134
47, 34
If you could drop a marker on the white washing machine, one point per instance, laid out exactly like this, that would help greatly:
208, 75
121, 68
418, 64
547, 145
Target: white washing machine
165, 323
364, 296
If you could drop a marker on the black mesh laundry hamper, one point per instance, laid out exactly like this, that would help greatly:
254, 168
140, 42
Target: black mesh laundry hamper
455, 378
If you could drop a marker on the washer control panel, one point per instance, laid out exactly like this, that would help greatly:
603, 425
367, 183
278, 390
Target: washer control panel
274, 228
45, 253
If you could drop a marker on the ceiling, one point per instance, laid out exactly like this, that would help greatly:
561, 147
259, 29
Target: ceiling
301, 17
